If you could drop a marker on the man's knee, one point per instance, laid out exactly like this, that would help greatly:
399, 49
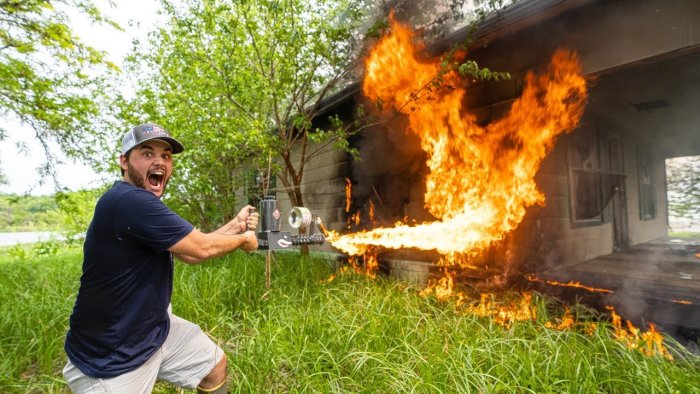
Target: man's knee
215, 382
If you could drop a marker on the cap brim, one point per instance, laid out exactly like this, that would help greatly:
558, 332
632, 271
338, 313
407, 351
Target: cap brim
175, 145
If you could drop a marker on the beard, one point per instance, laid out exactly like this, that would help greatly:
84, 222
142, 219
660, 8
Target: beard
135, 177
139, 180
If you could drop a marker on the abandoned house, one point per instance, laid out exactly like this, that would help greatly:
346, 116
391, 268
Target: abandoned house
603, 183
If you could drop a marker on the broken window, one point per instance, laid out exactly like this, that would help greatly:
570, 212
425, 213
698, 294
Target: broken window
647, 195
595, 174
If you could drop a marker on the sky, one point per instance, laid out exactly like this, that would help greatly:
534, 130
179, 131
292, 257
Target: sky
136, 17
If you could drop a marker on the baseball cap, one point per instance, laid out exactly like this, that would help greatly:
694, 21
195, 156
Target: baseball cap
149, 131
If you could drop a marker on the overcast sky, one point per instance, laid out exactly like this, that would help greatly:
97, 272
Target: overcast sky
20, 168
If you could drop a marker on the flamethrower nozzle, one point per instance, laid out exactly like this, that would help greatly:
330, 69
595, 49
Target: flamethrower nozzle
313, 239
321, 227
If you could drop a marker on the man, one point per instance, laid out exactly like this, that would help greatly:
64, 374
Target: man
122, 333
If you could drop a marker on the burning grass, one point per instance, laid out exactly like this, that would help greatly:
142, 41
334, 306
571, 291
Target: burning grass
351, 334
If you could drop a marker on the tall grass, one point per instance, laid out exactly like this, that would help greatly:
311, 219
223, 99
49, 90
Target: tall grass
36, 299
353, 334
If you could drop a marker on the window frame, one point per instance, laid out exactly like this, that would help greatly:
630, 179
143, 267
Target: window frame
604, 161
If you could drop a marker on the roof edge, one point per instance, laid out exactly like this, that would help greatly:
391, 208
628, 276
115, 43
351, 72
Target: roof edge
515, 17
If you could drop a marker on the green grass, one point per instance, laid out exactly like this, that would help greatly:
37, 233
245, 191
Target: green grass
684, 234
353, 334
36, 298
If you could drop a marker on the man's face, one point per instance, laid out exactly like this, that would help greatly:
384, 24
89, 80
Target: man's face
149, 166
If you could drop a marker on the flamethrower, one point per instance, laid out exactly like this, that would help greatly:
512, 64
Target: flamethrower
271, 238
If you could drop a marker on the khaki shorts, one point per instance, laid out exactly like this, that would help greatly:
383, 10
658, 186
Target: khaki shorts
186, 357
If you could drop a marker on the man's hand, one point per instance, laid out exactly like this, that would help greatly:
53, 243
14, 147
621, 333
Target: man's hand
251, 239
246, 219
252, 218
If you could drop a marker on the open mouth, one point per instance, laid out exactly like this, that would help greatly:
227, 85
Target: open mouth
155, 178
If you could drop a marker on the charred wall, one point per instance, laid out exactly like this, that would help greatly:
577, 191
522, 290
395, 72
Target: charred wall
388, 175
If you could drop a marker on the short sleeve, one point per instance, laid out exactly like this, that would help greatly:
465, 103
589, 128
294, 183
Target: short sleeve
142, 217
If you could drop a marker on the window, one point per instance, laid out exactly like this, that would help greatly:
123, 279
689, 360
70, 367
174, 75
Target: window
645, 179
595, 174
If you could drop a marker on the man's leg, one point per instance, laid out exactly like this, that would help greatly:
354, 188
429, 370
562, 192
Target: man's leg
191, 358
215, 382
138, 381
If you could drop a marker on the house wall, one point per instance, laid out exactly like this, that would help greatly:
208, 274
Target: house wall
563, 243
323, 188
608, 36
644, 230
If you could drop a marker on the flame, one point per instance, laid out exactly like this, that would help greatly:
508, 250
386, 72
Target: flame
480, 179
697, 255
354, 219
566, 322
360, 265
683, 302
371, 264
590, 328
504, 315
650, 343
533, 278
330, 279
443, 287
367, 264
348, 194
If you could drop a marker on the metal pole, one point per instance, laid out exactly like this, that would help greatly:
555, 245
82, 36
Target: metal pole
268, 268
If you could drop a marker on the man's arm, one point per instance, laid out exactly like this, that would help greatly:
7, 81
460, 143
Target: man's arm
198, 246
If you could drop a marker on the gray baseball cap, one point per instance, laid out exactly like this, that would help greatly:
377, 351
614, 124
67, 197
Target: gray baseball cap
149, 131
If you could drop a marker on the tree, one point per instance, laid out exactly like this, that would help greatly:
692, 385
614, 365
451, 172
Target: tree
239, 82
77, 208
683, 180
48, 77
3, 178
242, 84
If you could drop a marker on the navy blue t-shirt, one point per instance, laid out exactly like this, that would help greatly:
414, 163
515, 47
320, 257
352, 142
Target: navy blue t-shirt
120, 316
